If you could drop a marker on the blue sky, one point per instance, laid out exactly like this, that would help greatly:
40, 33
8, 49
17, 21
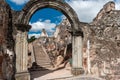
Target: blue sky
47, 13
48, 18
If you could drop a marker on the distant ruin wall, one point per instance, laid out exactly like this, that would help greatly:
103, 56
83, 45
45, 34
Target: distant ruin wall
104, 36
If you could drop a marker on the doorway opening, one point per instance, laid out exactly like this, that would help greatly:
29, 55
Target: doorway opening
50, 42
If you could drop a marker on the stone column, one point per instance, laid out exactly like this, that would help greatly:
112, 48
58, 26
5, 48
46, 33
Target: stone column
21, 50
77, 45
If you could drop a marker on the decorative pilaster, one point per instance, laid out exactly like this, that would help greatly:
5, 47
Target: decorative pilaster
77, 43
21, 50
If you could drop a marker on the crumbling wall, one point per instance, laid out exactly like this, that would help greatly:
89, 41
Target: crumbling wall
6, 41
104, 36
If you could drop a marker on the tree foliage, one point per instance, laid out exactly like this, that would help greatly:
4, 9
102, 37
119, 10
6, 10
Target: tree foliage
31, 39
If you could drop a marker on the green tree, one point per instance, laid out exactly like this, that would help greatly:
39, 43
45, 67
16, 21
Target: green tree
31, 39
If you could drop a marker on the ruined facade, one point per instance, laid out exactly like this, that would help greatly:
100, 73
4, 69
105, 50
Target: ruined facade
58, 47
103, 34
7, 65
21, 21
44, 33
95, 46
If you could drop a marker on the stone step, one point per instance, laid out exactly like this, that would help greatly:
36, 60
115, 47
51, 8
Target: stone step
39, 50
38, 58
45, 59
40, 54
42, 58
46, 66
41, 62
38, 69
77, 78
44, 63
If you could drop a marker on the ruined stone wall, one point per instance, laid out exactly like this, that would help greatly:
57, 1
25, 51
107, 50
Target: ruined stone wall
6, 40
6, 25
104, 36
3, 21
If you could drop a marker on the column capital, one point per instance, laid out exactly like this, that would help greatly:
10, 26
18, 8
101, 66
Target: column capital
77, 33
23, 27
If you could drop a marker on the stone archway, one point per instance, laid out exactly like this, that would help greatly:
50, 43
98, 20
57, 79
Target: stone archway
21, 21
33, 5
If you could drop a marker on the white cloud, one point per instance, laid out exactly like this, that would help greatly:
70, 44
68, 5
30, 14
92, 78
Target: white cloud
62, 17
39, 25
118, 5
87, 10
19, 2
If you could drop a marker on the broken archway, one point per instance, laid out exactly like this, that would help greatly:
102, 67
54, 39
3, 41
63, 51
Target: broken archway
22, 27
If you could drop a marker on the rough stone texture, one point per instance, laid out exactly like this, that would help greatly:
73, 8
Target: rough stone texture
23, 17
5, 21
83, 78
6, 41
41, 57
33, 5
103, 33
22, 76
21, 49
104, 36
77, 71
55, 47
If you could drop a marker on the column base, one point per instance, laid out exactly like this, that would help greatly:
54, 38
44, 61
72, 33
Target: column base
22, 76
77, 71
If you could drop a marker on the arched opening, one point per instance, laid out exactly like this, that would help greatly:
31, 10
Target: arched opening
22, 24
61, 6
49, 49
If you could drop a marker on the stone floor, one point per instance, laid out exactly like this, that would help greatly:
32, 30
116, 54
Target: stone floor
62, 74
50, 74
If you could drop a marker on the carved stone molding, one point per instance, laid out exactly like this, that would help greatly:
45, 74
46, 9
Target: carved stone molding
60, 5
